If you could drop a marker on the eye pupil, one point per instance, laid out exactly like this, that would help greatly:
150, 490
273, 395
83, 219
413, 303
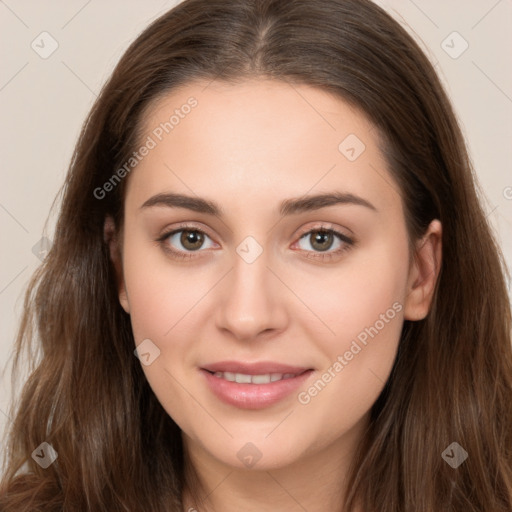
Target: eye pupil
322, 237
195, 238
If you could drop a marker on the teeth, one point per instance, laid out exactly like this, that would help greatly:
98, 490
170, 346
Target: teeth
242, 378
261, 379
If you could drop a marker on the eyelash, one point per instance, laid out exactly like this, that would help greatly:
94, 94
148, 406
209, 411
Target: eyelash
327, 256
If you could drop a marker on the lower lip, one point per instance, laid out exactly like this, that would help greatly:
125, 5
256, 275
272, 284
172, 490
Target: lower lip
253, 396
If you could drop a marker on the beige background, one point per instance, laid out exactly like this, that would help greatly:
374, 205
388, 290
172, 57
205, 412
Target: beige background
45, 100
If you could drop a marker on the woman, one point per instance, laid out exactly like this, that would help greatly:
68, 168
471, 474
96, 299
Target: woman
272, 284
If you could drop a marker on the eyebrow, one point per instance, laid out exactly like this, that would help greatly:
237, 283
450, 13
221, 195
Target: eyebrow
287, 207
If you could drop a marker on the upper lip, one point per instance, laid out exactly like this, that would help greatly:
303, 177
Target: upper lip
257, 368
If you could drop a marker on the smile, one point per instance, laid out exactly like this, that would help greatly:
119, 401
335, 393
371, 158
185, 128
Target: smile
253, 386
242, 378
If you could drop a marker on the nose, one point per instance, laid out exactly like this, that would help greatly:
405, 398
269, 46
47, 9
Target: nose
251, 300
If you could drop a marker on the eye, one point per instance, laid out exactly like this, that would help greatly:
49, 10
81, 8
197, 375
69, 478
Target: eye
322, 239
187, 239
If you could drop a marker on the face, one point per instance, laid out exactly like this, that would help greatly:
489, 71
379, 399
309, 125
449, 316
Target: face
264, 242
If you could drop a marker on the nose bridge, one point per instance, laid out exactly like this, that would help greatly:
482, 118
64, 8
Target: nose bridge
250, 302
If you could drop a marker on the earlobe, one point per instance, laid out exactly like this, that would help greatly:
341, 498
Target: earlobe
111, 238
423, 273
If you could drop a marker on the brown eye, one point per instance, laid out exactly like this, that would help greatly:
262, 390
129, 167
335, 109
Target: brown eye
321, 240
185, 241
324, 243
192, 239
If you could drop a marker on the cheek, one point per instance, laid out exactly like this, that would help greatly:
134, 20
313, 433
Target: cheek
162, 294
167, 306
164, 304
361, 302
353, 295
362, 305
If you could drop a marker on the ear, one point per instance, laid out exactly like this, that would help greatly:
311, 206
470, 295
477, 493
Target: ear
423, 273
112, 239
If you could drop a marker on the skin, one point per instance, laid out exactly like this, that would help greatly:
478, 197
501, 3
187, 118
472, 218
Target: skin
249, 146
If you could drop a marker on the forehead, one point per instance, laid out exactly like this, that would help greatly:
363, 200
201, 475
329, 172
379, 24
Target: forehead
258, 138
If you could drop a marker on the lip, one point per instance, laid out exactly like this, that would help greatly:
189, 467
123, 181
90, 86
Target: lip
257, 368
253, 396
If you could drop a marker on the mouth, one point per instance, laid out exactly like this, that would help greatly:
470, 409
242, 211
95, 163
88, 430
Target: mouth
255, 385
244, 378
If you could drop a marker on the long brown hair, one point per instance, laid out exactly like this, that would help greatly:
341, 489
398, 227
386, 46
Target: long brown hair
87, 395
